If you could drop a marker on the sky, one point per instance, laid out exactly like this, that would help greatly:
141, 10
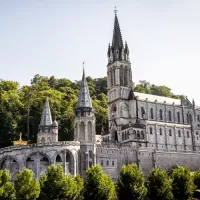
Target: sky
54, 37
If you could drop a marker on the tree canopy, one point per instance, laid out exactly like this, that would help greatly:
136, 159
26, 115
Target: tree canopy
21, 106
131, 183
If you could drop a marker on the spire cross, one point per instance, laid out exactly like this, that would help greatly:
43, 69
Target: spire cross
115, 10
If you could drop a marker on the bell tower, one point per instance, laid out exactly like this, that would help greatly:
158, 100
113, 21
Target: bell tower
85, 127
119, 81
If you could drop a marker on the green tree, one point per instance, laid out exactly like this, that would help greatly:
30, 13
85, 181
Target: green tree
80, 188
7, 190
182, 183
98, 185
197, 179
159, 185
130, 184
26, 186
55, 185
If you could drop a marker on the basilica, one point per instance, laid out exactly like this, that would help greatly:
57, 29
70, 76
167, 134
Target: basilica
149, 130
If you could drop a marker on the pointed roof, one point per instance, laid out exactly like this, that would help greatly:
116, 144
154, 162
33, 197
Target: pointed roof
46, 119
84, 100
117, 42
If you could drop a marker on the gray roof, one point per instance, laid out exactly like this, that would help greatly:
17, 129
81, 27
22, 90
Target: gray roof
46, 119
84, 100
158, 99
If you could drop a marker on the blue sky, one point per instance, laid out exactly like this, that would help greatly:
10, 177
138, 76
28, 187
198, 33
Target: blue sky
54, 37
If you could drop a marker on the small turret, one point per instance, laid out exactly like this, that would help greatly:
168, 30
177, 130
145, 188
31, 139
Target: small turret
48, 131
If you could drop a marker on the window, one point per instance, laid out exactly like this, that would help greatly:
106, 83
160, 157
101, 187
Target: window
170, 116
179, 133
138, 134
151, 113
101, 162
122, 135
188, 134
198, 118
142, 112
178, 117
113, 163
107, 162
142, 135
161, 114
160, 131
170, 132
197, 133
151, 131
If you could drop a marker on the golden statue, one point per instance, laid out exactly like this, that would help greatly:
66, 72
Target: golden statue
20, 141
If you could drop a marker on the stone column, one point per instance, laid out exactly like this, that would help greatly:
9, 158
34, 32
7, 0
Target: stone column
184, 139
166, 137
175, 139
37, 159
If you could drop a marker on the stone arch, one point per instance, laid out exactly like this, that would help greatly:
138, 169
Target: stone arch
49, 140
38, 162
58, 159
82, 131
90, 131
11, 164
42, 140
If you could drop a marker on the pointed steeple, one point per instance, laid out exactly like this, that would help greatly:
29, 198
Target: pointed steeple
84, 104
117, 42
46, 119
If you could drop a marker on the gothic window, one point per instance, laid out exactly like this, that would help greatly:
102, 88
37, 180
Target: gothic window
151, 113
170, 116
122, 136
178, 117
151, 130
90, 131
82, 131
107, 162
189, 118
197, 133
198, 118
134, 133
125, 135
179, 133
161, 114
160, 131
125, 77
142, 112
43, 140
188, 134
170, 132
142, 135
101, 162
113, 163
138, 134
90, 154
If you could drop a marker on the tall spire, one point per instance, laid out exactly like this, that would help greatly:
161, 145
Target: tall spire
84, 104
116, 51
46, 119
117, 42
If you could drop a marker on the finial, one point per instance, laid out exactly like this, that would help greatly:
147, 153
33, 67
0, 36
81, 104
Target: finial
115, 10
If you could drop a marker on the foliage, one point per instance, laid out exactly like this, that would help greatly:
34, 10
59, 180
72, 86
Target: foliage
197, 179
159, 185
21, 106
98, 185
26, 186
7, 190
55, 185
130, 183
182, 183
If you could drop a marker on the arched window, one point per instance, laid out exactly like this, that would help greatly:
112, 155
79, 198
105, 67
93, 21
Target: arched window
107, 162
142, 135
188, 134
90, 131
125, 136
151, 113
138, 134
134, 134
43, 140
178, 117
122, 135
142, 112
58, 158
160, 131
161, 114
170, 116
82, 131
151, 130
170, 132
179, 133
198, 118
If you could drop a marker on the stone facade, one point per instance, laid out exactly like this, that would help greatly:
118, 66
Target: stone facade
149, 130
